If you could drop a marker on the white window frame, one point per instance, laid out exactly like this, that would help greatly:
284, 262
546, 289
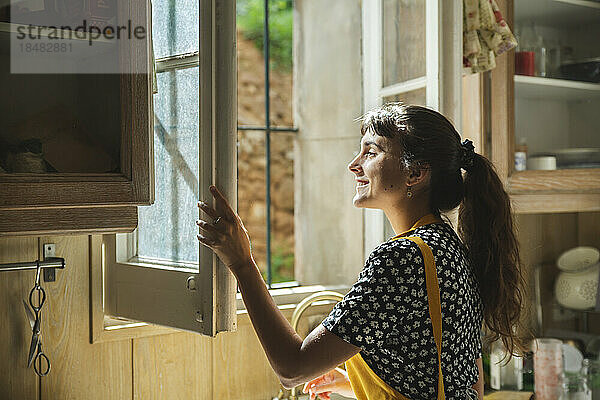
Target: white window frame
442, 80
200, 300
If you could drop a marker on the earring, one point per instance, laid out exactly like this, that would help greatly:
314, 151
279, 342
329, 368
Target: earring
408, 193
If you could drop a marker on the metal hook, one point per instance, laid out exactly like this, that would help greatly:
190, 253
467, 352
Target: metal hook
37, 273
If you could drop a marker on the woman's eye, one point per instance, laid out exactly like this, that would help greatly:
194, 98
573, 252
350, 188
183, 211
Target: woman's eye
369, 153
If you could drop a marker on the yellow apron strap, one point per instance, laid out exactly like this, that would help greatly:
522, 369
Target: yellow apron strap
435, 306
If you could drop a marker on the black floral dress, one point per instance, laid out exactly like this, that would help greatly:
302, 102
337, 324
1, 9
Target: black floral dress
386, 314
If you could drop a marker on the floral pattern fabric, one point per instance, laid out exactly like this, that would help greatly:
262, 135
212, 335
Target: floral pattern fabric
386, 314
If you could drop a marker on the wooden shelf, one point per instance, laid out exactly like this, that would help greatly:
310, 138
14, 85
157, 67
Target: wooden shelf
555, 203
580, 180
534, 87
563, 190
558, 13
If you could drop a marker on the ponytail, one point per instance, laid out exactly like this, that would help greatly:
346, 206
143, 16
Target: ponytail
485, 226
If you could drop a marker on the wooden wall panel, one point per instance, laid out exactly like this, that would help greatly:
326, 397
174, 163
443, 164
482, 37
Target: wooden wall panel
530, 247
175, 366
80, 370
16, 380
588, 226
241, 369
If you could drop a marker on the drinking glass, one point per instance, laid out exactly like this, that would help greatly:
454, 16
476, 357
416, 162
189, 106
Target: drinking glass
547, 368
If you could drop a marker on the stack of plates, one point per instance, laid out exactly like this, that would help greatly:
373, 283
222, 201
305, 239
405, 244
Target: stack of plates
578, 158
574, 158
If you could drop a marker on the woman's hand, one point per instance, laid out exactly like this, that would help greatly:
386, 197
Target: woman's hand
228, 238
334, 381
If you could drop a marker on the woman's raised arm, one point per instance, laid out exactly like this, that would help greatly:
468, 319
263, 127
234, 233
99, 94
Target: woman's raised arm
294, 360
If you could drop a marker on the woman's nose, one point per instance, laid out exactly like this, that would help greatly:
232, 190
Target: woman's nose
353, 166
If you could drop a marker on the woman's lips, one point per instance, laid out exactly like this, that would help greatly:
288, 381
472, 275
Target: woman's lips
361, 184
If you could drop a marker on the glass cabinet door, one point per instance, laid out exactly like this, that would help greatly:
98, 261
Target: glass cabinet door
76, 104
557, 85
59, 73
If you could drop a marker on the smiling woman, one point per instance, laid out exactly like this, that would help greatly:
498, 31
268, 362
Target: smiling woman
389, 328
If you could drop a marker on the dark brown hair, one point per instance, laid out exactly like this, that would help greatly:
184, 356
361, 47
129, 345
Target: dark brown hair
485, 222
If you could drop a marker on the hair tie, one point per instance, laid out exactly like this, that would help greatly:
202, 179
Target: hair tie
467, 154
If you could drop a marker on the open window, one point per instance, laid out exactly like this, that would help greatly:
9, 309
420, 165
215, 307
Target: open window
159, 276
412, 52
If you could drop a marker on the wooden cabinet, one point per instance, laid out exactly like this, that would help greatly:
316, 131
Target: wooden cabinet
76, 129
555, 113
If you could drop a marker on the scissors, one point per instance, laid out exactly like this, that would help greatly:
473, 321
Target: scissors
41, 365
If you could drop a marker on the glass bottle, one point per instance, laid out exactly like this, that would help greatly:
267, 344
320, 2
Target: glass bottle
591, 369
525, 56
574, 387
504, 374
541, 54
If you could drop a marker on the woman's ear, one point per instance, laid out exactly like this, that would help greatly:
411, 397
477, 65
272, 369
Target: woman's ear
418, 174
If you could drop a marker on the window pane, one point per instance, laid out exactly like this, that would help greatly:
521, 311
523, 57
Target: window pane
282, 207
403, 40
416, 96
174, 27
252, 206
251, 66
167, 229
252, 192
250, 83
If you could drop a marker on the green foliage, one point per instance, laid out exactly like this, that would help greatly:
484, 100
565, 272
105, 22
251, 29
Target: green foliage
282, 264
250, 20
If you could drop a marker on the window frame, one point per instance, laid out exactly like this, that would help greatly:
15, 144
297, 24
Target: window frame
119, 287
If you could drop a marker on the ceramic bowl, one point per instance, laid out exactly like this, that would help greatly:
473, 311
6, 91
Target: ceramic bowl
578, 258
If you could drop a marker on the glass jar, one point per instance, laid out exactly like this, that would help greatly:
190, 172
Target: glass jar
574, 387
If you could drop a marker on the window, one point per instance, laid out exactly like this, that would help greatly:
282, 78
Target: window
158, 262
162, 275
266, 134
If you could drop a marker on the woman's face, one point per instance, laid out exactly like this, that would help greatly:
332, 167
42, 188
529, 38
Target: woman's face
379, 173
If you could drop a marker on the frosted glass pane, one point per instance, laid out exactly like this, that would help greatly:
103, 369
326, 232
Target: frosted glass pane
403, 40
167, 229
417, 96
175, 27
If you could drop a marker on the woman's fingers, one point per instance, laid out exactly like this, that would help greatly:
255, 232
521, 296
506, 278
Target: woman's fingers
312, 383
205, 240
223, 204
208, 209
211, 229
